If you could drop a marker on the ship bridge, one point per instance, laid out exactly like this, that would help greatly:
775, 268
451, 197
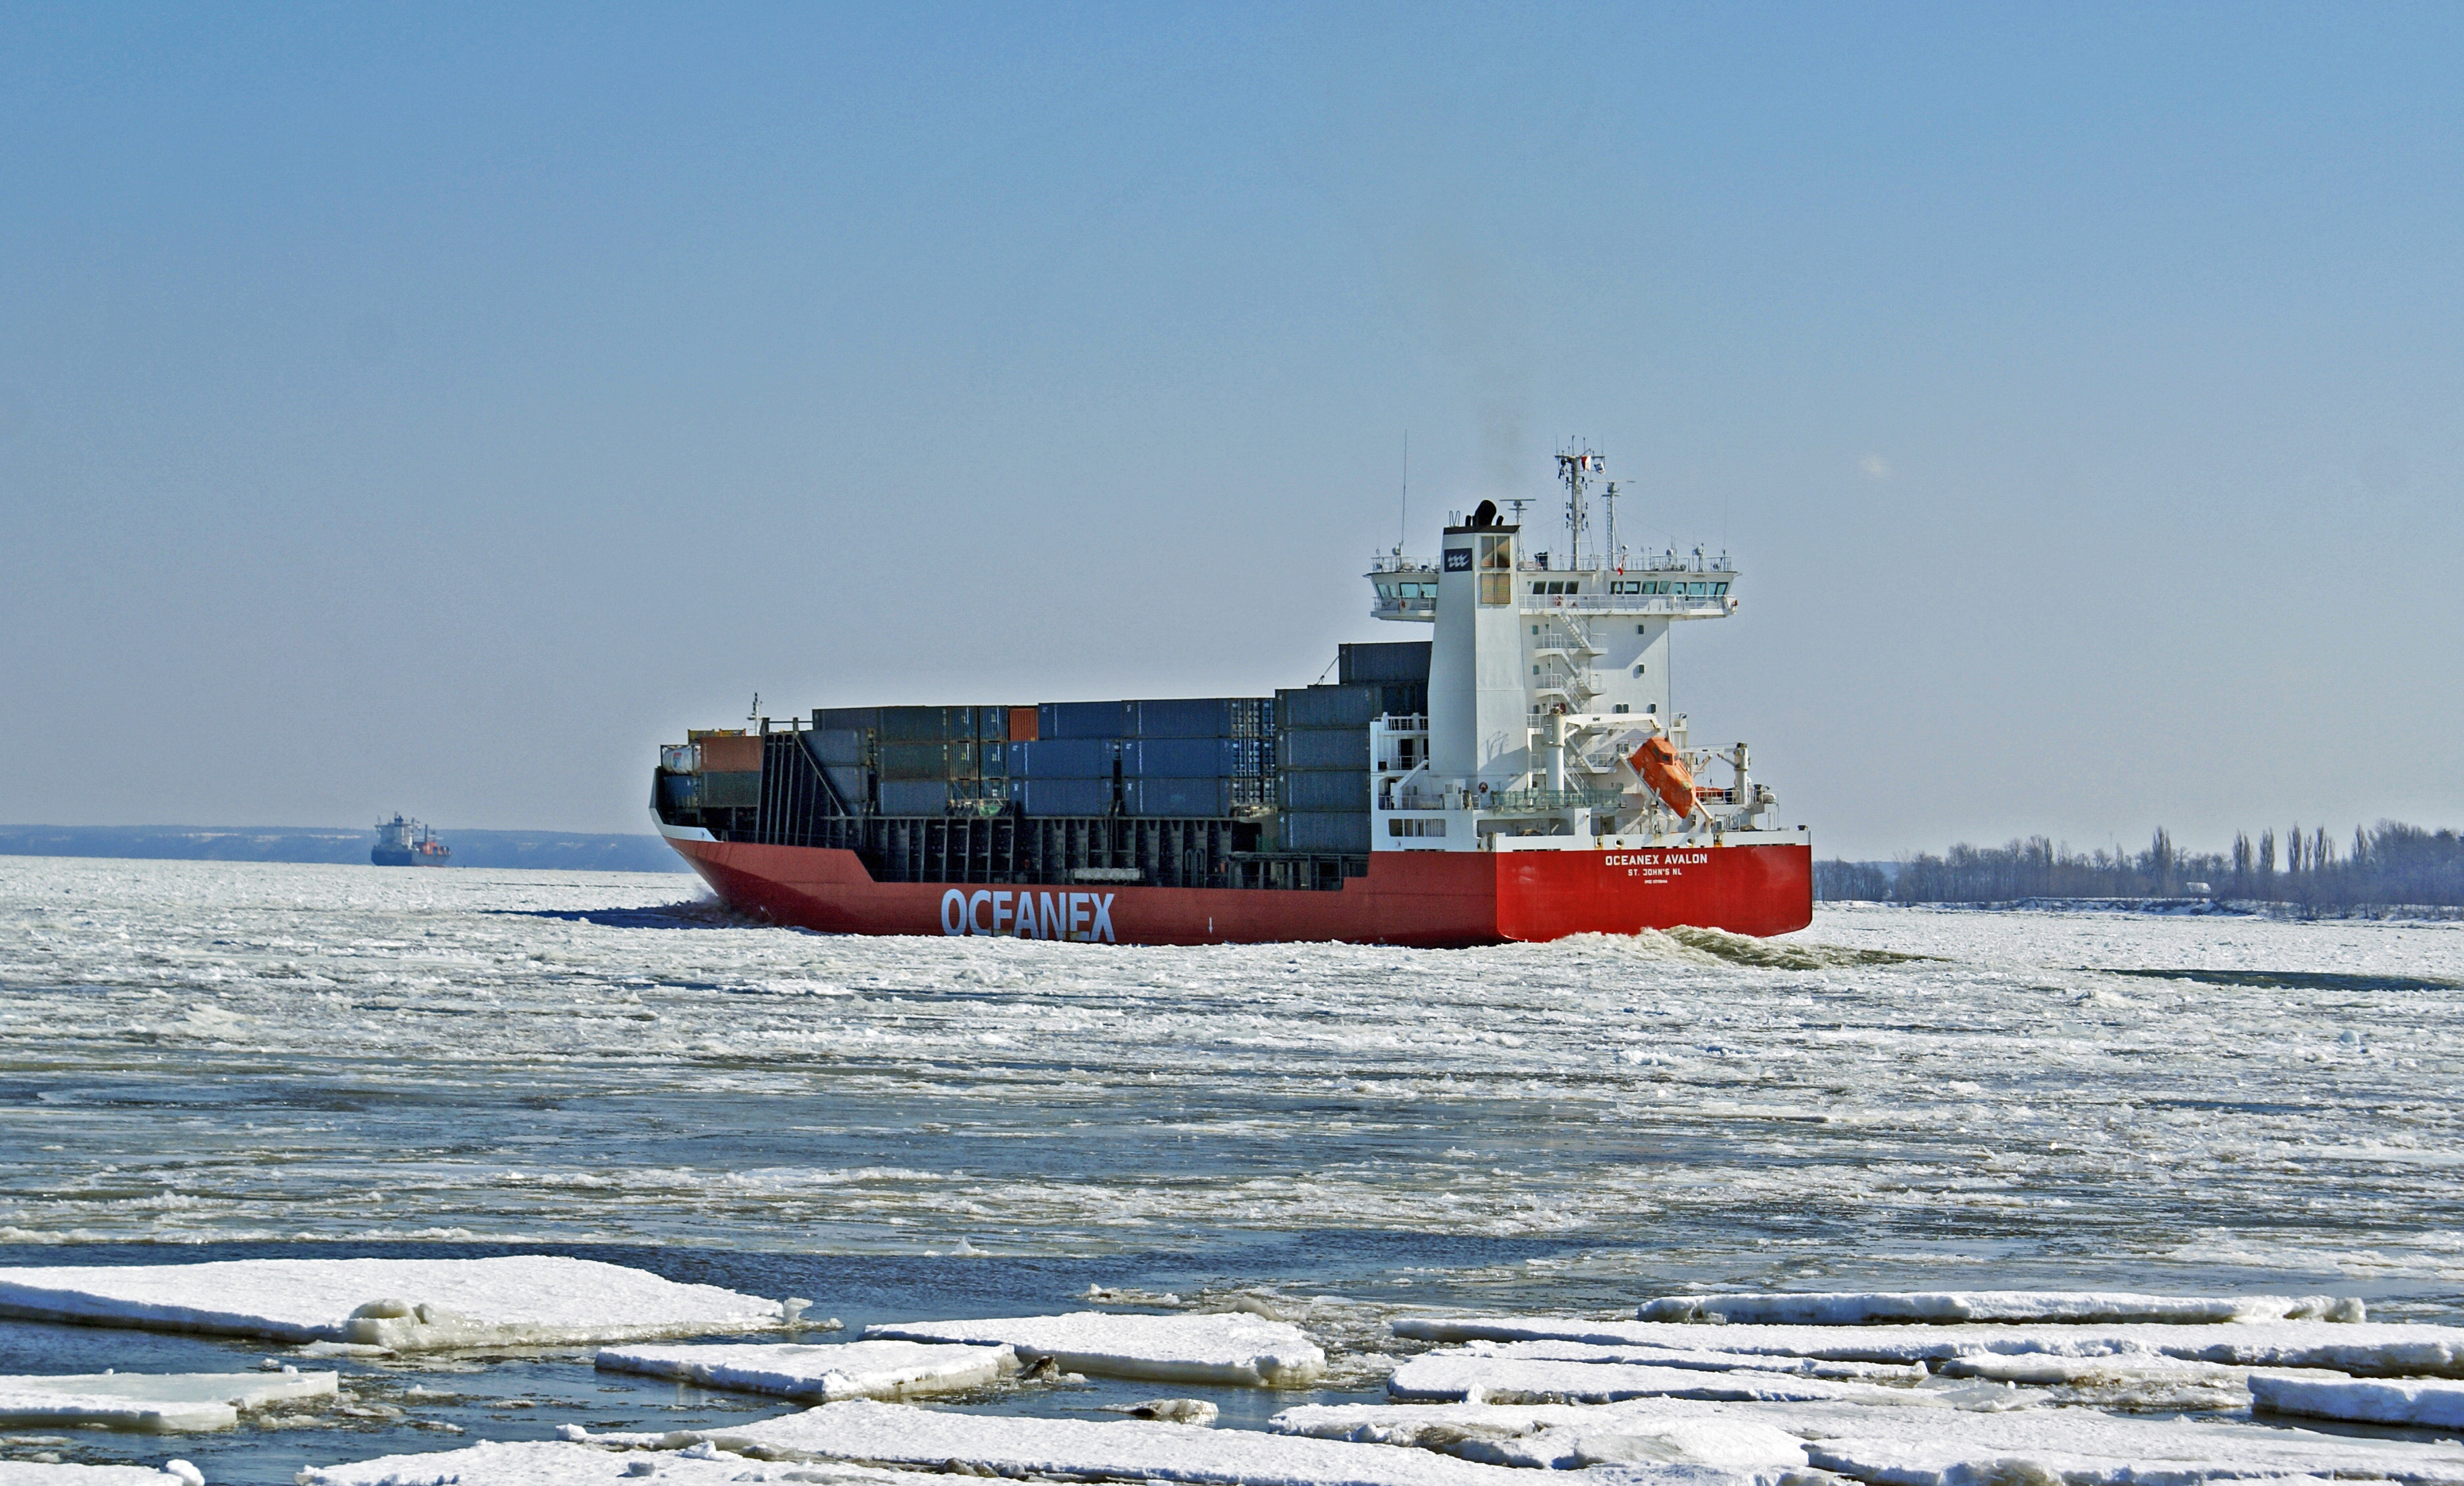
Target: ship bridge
1662, 584
1549, 675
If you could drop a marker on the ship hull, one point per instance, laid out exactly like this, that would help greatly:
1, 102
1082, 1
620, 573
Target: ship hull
390, 856
1432, 898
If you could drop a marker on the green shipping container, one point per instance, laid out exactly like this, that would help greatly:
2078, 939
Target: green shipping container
729, 791
915, 760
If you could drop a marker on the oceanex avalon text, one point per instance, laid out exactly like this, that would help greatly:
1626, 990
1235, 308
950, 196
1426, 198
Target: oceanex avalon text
1518, 776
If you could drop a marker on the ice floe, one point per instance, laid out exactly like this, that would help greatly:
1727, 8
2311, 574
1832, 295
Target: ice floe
901, 1435
2142, 1381
1859, 1308
2370, 1347
2083, 1448
42, 1473
825, 1373
1703, 1359
2438, 1405
1171, 1410
403, 1304
1237, 1348
1452, 1377
1560, 1436
550, 1463
150, 1402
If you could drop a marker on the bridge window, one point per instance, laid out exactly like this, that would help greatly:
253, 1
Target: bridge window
1496, 570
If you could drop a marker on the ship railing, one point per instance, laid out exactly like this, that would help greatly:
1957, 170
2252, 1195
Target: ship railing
1624, 603
1388, 562
1534, 801
1626, 564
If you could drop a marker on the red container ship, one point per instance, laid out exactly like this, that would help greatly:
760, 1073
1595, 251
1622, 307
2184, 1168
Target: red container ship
1518, 776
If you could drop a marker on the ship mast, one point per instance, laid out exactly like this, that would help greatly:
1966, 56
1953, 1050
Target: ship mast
1577, 464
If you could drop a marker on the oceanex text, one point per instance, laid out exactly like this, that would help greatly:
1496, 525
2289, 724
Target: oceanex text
1083, 916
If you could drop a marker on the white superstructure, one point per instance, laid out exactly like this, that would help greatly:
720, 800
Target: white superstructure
1547, 673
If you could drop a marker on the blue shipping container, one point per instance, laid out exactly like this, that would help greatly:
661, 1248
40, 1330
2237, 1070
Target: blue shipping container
1324, 789
1325, 830
1063, 759
1084, 720
1062, 796
1161, 797
1324, 748
836, 745
1189, 758
914, 796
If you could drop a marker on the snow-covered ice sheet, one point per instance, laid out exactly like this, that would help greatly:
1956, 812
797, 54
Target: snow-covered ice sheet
2135, 1381
1701, 1359
152, 1403
2080, 1447
1859, 1308
824, 1373
1132, 1449
2438, 1405
2370, 1347
550, 1463
1560, 1436
35, 1473
1236, 1348
406, 1304
1451, 1377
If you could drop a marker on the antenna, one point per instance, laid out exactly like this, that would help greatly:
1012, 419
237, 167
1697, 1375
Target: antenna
1403, 525
1608, 499
756, 713
1578, 463
1518, 506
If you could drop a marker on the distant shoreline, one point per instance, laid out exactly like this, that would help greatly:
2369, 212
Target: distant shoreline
557, 851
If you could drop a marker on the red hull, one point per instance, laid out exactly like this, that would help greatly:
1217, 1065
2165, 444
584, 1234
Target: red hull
1434, 899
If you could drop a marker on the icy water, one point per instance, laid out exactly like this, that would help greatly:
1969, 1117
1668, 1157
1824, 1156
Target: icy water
246, 1058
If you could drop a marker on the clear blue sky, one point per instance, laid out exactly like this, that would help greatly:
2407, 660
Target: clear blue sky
435, 408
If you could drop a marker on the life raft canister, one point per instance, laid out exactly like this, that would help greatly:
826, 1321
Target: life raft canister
1666, 774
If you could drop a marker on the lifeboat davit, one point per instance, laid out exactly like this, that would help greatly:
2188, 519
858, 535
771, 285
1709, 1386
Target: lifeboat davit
1666, 774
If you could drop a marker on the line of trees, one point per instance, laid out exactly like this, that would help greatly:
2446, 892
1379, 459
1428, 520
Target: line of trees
2392, 864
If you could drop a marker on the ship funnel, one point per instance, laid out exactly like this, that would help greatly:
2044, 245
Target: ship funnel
1485, 514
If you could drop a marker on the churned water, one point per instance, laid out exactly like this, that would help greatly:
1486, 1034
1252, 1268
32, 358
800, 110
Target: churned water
266, 1058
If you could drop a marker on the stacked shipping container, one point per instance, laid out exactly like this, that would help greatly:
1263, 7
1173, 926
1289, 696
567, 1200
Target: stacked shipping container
1302, 754
1190, 756
1206, 757
722, 771
917, 760
1321, 751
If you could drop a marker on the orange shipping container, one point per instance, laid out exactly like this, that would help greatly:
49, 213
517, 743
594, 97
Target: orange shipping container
740, 754
1022, 725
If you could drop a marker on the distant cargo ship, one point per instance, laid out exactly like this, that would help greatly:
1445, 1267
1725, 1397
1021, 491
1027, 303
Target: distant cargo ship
1518, 775
402, 843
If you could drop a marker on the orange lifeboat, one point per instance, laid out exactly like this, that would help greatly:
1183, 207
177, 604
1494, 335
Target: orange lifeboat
1666, 774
